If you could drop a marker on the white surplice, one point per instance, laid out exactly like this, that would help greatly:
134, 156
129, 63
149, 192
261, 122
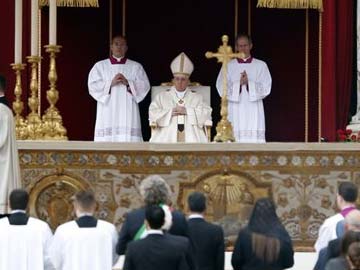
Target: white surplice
117, 116
197, 115
75, 248
246, 110
9, 160
25, 247
327, 231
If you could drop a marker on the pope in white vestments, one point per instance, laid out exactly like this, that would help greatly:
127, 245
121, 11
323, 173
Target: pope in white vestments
9, 160
249, 82
179, 114
24, 241
85, 243
118, 84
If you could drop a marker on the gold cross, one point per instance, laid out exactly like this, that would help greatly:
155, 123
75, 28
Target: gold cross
224, 130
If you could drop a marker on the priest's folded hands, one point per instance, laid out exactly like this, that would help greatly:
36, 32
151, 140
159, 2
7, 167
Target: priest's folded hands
178, 110
119, 78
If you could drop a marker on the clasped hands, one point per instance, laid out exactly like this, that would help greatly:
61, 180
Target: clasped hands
119, 78
178, 110
243, 78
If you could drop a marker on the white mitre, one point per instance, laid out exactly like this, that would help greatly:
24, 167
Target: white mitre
182, 65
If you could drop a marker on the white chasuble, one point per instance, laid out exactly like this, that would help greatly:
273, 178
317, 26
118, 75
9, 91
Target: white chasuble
197, 115
9, 160
246, 110
117, 115
25, 247
75, 248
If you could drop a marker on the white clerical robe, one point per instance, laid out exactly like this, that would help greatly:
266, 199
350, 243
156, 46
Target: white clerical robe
117, 116
25, 247
246, 111
75, 248
327, 231
197, 115
9, 160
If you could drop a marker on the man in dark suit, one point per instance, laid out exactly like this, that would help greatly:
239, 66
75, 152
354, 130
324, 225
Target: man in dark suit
207, 238
3, 99
154, 191
158, 250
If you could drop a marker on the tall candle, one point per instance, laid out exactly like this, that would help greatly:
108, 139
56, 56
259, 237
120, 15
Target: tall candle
34, 27
52, 22
18, 32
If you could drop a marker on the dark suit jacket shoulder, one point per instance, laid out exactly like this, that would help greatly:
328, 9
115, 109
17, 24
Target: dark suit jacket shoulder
208, 242
135, 219
157, 252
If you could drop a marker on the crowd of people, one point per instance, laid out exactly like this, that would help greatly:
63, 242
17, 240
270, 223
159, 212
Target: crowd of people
156, 236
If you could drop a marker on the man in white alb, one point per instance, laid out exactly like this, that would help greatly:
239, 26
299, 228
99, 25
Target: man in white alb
118, 84
9, 159
249, 82
85, 243
179, 114
24, 241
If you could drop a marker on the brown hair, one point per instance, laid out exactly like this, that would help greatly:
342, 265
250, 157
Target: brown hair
85, 199
354, 255
265, 247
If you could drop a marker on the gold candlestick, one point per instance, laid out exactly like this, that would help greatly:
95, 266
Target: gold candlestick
224, 130
52, 122
18, 105
34, 124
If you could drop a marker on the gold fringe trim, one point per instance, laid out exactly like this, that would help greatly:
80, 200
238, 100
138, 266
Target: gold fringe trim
72, 3
294, 4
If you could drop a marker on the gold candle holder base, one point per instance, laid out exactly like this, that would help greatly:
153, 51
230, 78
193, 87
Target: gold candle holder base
52, 121
34, 124
18, 105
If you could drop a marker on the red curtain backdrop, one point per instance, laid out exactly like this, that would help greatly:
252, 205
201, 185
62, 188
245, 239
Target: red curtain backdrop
337, 65
280, 43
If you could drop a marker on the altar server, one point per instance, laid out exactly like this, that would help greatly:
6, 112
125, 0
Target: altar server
85, 243
118, 84
24, 241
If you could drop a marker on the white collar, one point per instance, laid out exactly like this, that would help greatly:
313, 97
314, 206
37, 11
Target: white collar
151, 231
85, 214
118, 59
18, 211
180, 95
196, 216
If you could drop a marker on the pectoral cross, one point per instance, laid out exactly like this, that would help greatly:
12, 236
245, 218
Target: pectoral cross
224, 130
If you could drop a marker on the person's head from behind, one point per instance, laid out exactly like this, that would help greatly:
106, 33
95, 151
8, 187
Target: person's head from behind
244, 44
181, 68
353, 256
2, 84
154, 190
84, 202
154, 216
266, 230
352, 221
118, 46
197, 202
347, 194
19, 199
349, 238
